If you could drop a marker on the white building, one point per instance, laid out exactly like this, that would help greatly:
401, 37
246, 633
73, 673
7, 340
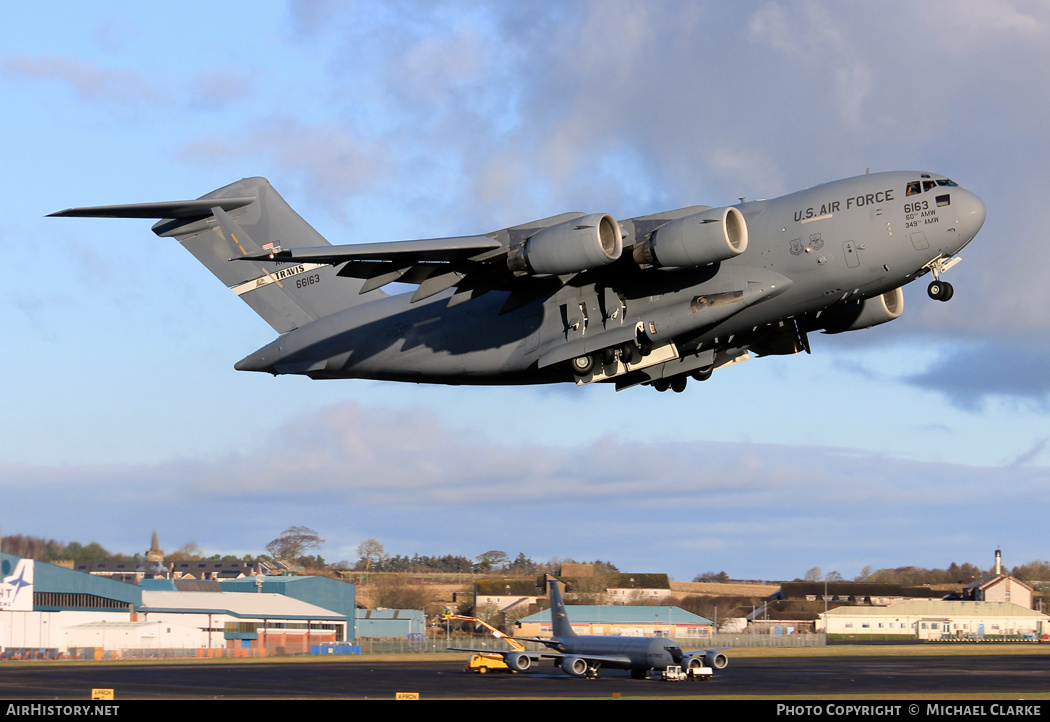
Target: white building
937, 620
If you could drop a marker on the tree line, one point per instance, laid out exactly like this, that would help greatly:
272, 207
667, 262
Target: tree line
295, 543
912, 576
372, 557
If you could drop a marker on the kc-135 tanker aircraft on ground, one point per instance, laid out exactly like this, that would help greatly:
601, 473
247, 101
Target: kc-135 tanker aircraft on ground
585, 654
577, 297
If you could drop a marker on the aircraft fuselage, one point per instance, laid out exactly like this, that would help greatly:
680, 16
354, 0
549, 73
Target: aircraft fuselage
836, 244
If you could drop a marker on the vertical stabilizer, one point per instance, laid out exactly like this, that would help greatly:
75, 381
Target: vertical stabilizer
250, 218
559, 619
286, 295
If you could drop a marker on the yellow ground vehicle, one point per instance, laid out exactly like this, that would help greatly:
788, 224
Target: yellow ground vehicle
481, 662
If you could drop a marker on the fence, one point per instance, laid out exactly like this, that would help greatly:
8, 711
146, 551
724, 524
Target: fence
439, 643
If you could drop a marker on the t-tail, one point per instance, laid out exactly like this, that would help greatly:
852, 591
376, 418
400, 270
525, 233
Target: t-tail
249, 218
559, 619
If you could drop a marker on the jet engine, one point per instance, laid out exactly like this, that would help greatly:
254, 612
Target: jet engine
869, 312
699, 240
519, 662
571, 247
716, 660
575, 666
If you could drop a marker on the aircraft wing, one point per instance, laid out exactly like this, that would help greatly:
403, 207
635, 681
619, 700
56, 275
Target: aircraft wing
473, 265
603, 659
429, 249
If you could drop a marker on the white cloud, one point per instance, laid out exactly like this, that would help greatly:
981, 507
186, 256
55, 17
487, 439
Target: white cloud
403, 469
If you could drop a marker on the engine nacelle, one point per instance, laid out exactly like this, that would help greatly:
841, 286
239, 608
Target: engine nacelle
869, 312
575, 666
571, 247
518, 662
699, 240
716, 660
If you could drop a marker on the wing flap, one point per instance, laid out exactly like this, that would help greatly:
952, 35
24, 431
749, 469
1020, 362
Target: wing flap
434, 264
427, 249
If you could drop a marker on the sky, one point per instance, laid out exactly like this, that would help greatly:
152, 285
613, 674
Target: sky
919, 442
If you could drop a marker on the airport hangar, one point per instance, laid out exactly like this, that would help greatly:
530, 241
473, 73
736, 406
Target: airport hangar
47, 607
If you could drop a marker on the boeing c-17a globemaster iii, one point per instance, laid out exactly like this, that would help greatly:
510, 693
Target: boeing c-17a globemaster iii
581, 298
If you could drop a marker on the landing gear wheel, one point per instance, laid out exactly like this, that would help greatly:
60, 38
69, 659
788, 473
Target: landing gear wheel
639, 674
607, 356
661, 385
678, 383
704, 374
630, 353
582, 365
940, 290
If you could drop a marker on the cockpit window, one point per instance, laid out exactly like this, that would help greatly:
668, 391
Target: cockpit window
916, 187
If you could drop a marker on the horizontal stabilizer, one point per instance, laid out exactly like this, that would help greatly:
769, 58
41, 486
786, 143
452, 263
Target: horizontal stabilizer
166, 209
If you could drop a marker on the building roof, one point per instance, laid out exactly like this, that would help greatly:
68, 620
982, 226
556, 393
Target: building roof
990, 580
640, 581
518, 588
324, 592
388, 614
605, 614
235, 604
801, 590
939, 608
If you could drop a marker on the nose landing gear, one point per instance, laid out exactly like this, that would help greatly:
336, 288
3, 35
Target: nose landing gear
940, 290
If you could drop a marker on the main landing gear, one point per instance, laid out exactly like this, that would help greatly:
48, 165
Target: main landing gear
628, 353
940, 290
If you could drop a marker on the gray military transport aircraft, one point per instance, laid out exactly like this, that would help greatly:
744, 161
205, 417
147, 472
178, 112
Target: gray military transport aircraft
584, 655
652, 300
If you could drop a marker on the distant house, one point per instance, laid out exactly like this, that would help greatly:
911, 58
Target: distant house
999, 587
619, 588
513, 597
776, 621
634, 588
134, 571
154, 566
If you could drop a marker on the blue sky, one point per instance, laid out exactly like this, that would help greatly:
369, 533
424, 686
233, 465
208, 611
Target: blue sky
924, 441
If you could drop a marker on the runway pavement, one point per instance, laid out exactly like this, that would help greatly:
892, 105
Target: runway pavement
947, 677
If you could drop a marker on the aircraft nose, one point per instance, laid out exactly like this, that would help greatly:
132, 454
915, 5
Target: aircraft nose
972, 215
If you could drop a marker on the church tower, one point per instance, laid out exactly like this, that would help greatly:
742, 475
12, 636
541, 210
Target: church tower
155, 553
